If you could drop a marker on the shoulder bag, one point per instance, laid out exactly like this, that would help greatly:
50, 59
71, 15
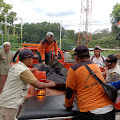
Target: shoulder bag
110, 90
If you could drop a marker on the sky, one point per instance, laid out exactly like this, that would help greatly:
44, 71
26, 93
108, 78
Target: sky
66, 12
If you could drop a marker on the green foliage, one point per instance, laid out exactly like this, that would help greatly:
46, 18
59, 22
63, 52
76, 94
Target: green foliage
115, 15
36, 32
108, 52
101, 34
5, 10
109, 42
67, 44
71, 55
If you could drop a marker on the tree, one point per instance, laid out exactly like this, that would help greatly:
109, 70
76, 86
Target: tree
115, 15
5, 10
35, 32
67, 44
101, 34
108, 42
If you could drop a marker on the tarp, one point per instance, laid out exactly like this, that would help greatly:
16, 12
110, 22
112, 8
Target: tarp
46, 107
55, 71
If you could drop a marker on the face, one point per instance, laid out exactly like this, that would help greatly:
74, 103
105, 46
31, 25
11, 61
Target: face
97, 52
110, 65
49, 39
7, 47
29, 61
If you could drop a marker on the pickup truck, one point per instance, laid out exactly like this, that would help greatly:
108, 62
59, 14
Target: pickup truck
45, 98
60, 56
46, 104
33, 48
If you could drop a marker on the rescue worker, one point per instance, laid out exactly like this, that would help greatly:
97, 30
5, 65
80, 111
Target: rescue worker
6, 58
16, 86
45, 46
92, 100
97, 58
113, 69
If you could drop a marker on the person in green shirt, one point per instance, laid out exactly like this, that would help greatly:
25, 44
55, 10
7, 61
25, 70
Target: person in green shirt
6, 58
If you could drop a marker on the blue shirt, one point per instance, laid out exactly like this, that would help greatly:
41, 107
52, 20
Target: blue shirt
116, 84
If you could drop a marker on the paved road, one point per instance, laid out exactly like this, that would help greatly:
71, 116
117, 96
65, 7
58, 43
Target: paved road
67, 57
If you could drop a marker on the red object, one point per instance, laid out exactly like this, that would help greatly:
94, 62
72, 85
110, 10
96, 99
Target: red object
117, 103
103, 69
67, 65
40, 75
118, 24
35, 61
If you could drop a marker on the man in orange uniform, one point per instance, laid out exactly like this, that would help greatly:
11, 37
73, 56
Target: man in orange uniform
92, 100
45, 46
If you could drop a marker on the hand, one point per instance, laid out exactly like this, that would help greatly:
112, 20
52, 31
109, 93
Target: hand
32, 69
117, 55
36, 55
55, 57
52, 84
43, 62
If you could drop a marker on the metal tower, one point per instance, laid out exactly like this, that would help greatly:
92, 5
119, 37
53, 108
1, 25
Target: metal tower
85, 22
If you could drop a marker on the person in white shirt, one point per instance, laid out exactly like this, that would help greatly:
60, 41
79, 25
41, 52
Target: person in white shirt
97, 58
113, 69
16, 86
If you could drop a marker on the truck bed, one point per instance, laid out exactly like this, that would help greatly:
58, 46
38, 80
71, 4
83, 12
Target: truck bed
46, 107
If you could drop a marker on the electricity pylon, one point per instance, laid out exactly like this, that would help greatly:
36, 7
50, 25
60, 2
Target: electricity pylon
85, 22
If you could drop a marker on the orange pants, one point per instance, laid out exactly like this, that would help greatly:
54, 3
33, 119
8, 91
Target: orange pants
3, 79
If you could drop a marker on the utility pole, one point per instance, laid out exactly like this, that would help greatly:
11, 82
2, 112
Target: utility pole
14, 32
1, 32
60, 33
21, 30
5, 27
85, 22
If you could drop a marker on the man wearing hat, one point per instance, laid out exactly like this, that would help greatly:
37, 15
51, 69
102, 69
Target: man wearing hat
6, 58
45, 46
97, 58
16, 86
113, 72
92, 101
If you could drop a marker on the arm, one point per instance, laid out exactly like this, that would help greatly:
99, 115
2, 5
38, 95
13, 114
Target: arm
104, 58
117, 55
113, 77
70, 88
29, 78
116, 84
41, 50
41, 85
56, 49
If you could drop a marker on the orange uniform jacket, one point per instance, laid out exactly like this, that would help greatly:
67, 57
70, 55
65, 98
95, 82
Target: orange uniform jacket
90, 94
44, 47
